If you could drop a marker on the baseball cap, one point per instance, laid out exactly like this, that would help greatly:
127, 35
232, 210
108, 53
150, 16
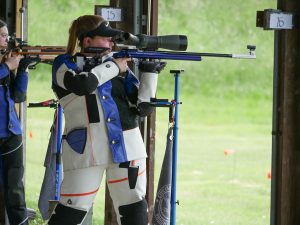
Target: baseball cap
105, 30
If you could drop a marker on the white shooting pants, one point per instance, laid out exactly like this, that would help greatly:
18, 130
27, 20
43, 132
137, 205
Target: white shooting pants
79, 187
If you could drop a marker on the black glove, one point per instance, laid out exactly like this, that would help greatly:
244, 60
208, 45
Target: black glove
25, 62
151, 66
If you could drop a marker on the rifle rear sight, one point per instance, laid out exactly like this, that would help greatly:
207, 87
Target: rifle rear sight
251, 48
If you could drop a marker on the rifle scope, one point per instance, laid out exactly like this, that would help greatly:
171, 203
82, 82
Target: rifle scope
142, 41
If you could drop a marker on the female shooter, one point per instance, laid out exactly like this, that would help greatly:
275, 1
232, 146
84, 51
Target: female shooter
12, 90
101, 100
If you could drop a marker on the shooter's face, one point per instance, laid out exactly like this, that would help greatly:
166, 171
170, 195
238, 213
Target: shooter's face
100, 42
3, 37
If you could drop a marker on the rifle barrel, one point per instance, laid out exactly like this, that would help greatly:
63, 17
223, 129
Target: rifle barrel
159, 55
174, 55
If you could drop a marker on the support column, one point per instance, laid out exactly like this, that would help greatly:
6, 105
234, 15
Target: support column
286, 151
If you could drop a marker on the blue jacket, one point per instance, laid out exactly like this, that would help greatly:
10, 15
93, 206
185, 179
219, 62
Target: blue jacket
12, 90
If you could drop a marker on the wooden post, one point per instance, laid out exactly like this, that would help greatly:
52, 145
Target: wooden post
21, 32
287, 149
151, 29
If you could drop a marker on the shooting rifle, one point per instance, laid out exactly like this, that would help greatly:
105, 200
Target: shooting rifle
143, 47
172, 55
41, 54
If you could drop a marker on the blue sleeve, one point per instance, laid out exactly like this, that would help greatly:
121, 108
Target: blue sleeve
61, 60
20, 86
4, 70
67, 75
131, 86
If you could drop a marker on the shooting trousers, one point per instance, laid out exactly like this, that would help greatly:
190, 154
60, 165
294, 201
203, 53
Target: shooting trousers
126, 183
11, 150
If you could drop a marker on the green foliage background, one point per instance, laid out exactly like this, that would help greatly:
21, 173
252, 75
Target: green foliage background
227, 104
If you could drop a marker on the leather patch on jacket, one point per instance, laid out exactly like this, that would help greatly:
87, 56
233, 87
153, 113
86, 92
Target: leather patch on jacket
92, 108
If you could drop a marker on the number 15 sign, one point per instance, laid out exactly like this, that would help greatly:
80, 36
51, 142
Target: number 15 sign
109, 13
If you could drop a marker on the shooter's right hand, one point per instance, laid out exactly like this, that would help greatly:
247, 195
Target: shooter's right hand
12, 61
26, 62
122, 63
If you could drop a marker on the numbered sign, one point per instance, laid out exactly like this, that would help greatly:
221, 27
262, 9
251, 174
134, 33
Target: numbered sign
281, 21
111, 14
274, 19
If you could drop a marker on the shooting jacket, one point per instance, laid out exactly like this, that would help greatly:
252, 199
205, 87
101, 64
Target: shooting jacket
12, 90
101, 117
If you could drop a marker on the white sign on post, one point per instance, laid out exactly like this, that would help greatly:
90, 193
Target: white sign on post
281, 21
109, 13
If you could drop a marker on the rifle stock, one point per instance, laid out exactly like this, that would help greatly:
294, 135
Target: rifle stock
45, 53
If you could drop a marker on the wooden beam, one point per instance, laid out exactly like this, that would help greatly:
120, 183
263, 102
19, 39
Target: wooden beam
21, 32
287, 172
152, 23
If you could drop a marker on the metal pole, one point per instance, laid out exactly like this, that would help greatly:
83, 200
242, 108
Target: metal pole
175, 145
59, 113
136, 29
137, 15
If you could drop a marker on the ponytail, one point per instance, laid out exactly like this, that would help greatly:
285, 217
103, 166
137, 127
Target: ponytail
78, 30
72, 42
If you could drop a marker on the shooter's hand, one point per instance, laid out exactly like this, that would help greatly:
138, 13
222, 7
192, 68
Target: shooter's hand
151, 66
12, 61
25, 62
122, 63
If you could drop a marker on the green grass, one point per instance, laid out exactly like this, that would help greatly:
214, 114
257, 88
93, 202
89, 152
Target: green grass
227, 104
214, 188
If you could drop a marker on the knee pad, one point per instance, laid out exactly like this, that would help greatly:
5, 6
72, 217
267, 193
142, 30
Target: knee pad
134, 214
64, 215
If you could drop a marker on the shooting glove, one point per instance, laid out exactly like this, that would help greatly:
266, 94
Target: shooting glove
25, 62
151, 66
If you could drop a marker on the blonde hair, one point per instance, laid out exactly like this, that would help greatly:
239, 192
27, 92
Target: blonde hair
79, 28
